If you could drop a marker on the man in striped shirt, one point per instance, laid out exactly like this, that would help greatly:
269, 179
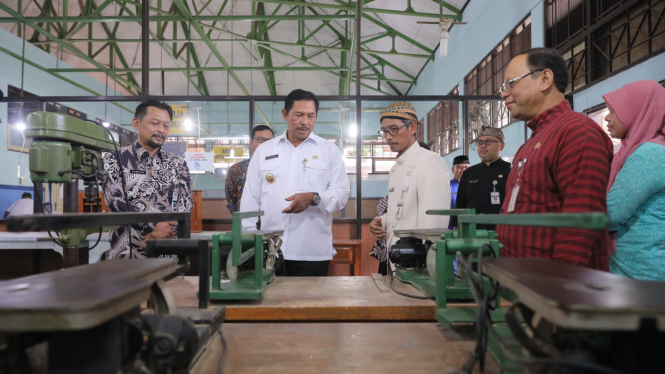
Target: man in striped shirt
562, 168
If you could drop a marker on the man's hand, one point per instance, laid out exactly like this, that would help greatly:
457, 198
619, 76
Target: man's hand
376, 229
300, 202
163, 230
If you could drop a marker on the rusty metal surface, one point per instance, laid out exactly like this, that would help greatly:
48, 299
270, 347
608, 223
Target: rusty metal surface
577, 297
79, 297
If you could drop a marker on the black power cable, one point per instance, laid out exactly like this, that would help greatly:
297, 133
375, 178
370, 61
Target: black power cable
484, 327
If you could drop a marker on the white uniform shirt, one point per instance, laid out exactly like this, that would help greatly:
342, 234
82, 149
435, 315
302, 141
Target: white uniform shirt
21, 207
308, 234
427, 180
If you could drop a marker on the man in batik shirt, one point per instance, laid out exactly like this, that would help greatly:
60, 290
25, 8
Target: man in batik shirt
154, 180
235, 180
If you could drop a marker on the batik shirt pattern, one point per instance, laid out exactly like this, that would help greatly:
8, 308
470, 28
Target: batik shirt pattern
153, 184
235, 183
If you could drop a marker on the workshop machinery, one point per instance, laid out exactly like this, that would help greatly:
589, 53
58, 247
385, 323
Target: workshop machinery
64, 150
570, 319
242, 263
108, 317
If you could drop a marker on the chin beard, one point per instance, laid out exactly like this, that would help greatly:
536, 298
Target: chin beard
154, 144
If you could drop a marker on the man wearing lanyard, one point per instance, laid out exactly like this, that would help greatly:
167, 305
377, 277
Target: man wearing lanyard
460, 163
563, 167
483, 186
419, 181
154, 180
298, 179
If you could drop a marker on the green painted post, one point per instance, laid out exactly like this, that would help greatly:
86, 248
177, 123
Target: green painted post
441, 289
215, 258
236, 248
258, 262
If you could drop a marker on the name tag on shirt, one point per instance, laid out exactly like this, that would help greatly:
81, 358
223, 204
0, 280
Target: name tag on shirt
474, 181
137, 171
398, 213
513, 199
496, 199
271, 157
303, 182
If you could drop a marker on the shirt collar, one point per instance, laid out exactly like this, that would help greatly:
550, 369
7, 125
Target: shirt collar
549, 116
312, 137
142, 152
494, 163
409, 153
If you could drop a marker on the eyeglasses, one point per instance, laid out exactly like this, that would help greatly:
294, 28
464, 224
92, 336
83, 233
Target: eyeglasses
507, 85
487, 142
261, 139
392, 130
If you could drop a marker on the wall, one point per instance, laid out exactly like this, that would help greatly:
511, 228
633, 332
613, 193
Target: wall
489, 22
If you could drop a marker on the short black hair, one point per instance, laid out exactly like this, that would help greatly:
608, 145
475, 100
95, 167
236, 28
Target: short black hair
26, 195
547, 58
260, 128
142, 109
46, 205
300, 95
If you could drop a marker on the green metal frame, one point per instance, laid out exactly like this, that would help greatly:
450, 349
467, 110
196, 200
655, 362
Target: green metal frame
249, 285
59, 30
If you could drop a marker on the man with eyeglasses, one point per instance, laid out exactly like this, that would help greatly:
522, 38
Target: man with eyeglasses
418, 181
235, 180
562, 168
483, 186
298, 179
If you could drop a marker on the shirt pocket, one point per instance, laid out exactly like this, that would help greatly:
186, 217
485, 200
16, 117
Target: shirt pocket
316, 173
271, 173
535, 180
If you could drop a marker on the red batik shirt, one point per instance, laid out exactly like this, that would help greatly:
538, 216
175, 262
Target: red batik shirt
568, 158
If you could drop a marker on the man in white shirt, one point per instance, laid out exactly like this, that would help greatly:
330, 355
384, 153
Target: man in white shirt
419, 181
298, 179
21, 207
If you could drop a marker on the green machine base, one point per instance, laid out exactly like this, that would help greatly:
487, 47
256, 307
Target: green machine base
426, 284
242, 288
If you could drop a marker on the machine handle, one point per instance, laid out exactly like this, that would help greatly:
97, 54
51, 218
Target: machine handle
589, 221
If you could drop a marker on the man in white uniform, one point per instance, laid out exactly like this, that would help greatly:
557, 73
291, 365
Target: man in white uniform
298, 179
22, 207
419, 181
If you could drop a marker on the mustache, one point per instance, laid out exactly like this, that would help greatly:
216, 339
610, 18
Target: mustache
159, 136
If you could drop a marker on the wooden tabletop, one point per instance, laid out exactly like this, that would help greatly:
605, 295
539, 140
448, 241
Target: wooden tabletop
577, 297
319, 299
319, 348
79, 297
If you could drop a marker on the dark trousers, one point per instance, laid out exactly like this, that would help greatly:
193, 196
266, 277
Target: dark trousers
303, 268
383, 268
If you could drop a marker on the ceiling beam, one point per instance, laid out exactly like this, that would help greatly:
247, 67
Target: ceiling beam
218, 68
63, 78
263, 56
88, 19
68, 46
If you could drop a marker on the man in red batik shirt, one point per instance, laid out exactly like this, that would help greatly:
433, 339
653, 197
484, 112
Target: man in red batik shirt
562, 168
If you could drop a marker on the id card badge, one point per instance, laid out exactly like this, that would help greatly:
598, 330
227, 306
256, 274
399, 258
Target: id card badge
303, 182
513, 199
398, 213
496, 199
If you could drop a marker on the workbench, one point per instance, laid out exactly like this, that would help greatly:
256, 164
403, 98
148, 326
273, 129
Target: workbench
319, 348
332, 325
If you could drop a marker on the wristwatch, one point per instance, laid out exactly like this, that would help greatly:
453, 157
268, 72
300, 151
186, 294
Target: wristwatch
316, 200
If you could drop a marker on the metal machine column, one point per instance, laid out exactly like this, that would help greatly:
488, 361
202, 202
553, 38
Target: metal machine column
70, 255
